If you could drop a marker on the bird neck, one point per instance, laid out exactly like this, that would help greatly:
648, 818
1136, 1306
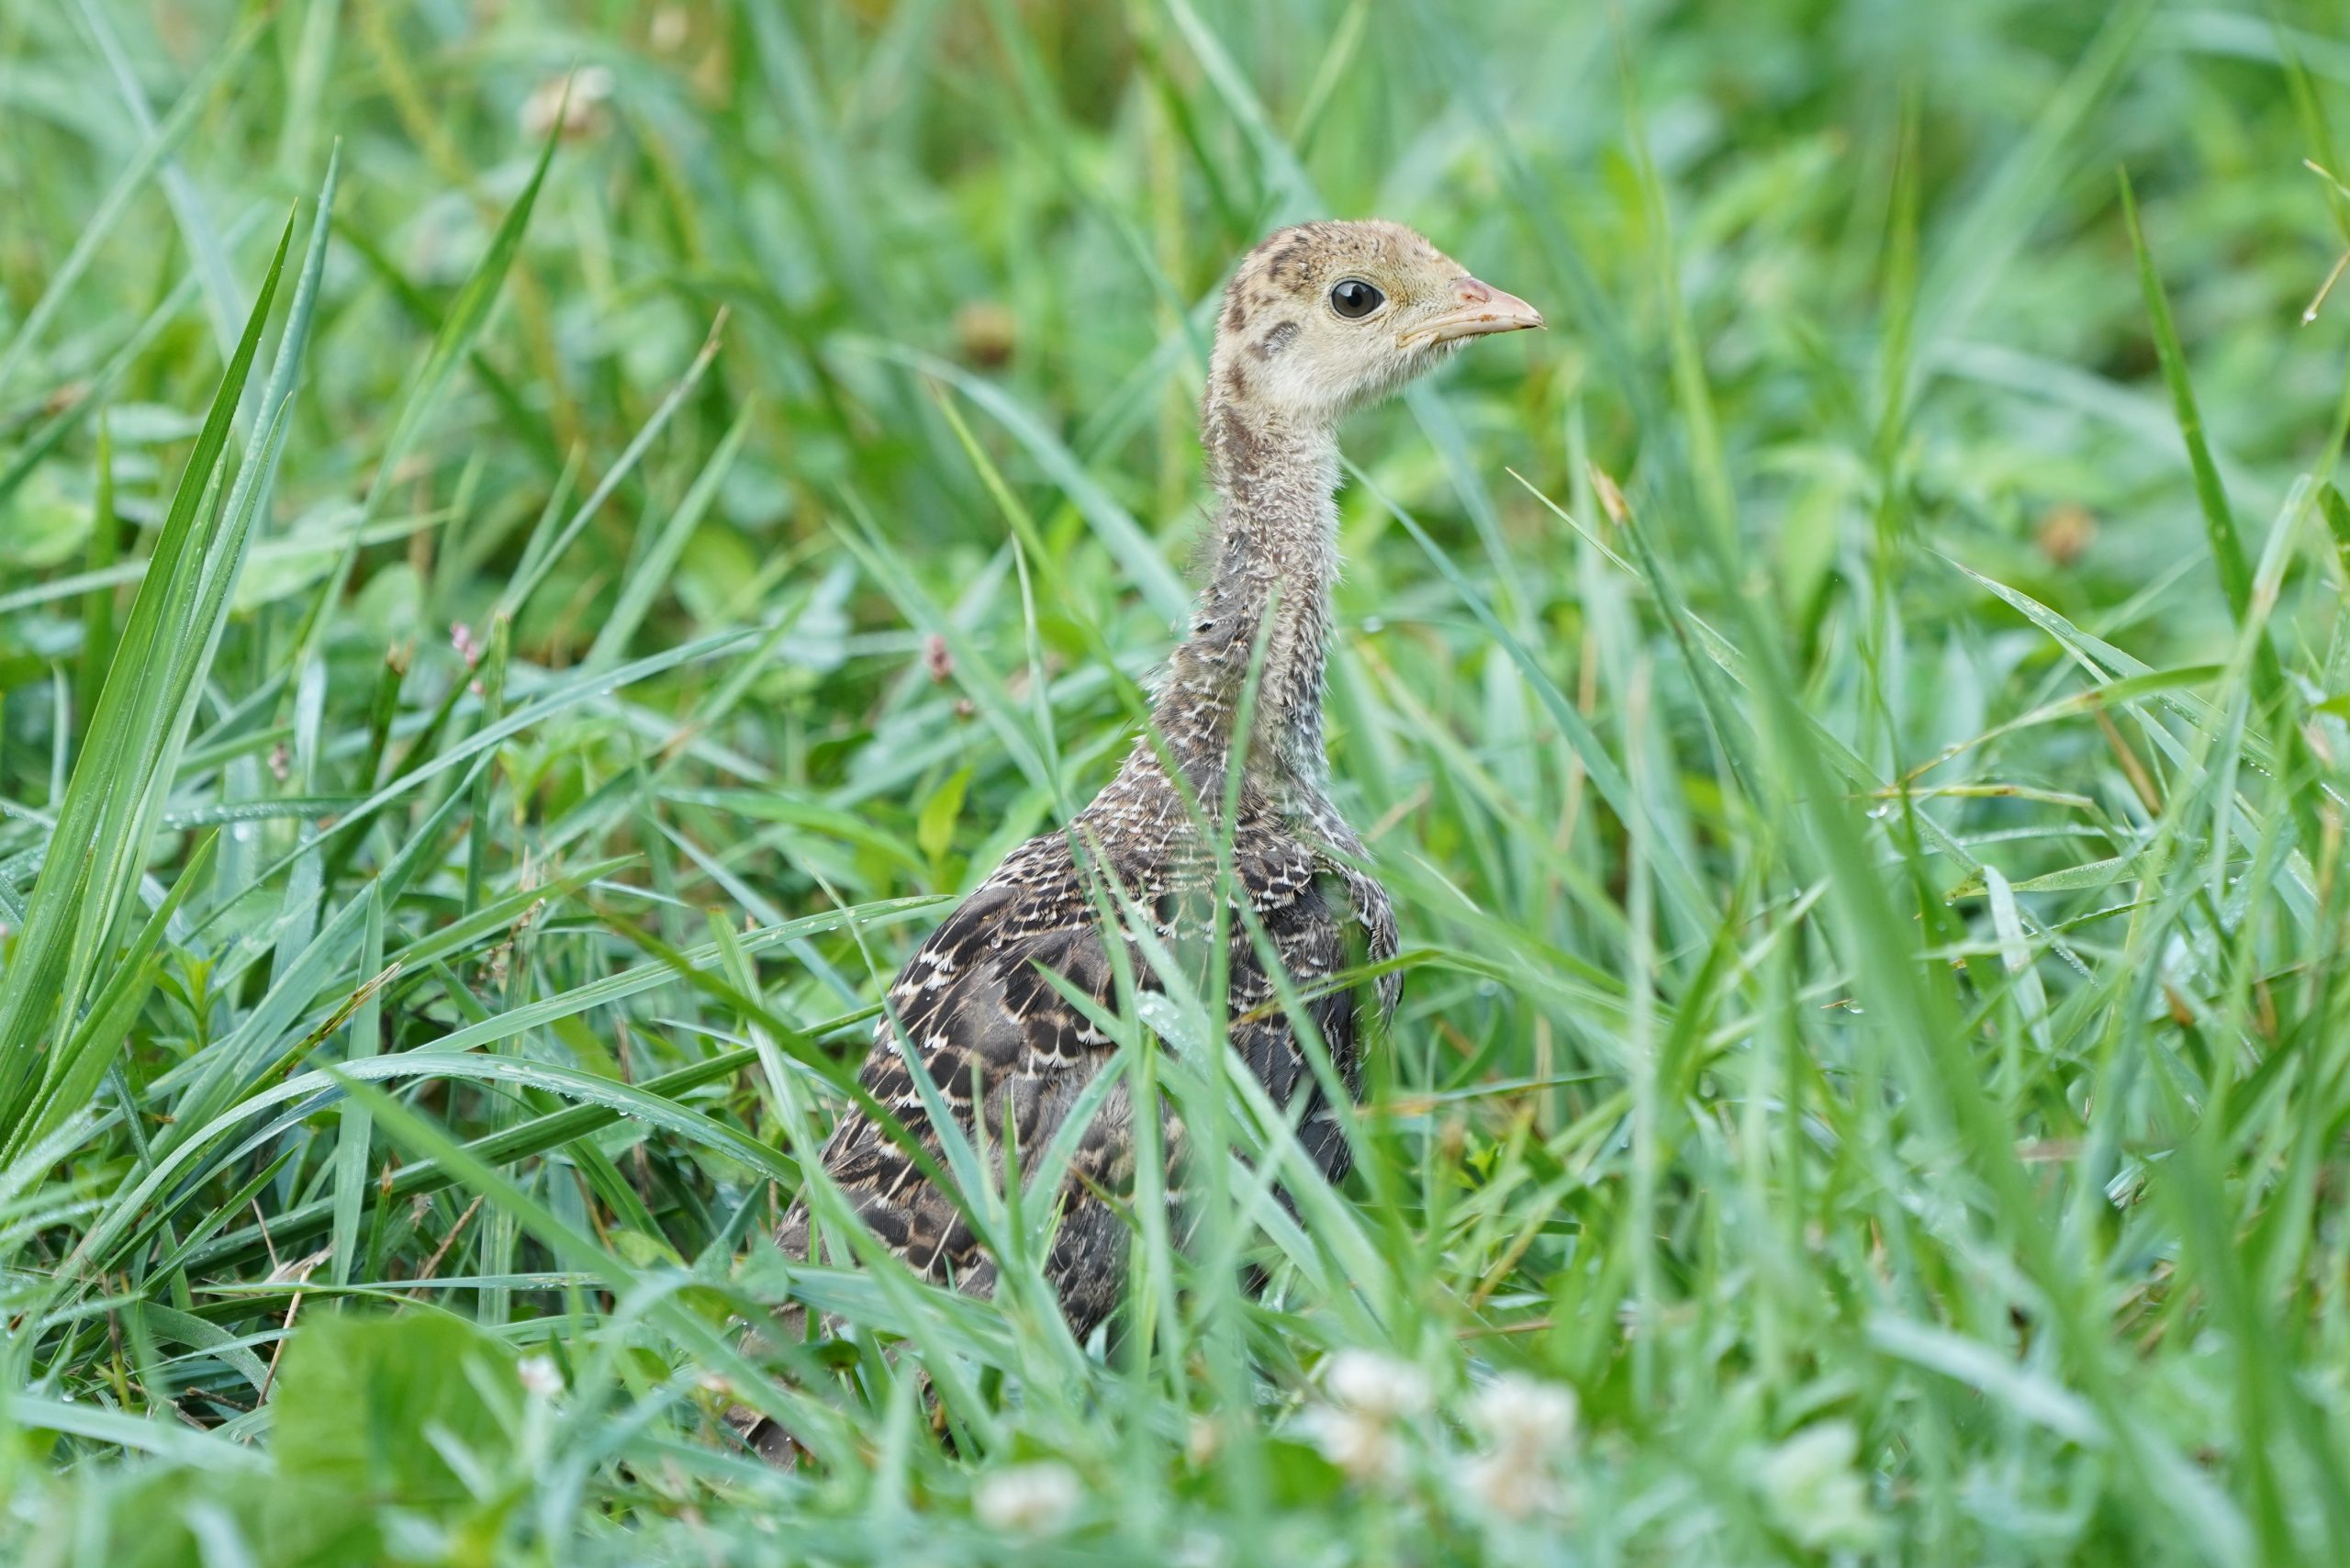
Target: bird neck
1272, 565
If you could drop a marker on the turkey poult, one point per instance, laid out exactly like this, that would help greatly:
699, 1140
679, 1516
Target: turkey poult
1318, 321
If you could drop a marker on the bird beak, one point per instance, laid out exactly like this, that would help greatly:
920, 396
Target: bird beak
1479, 307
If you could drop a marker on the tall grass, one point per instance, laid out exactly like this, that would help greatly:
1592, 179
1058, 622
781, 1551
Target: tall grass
498, 666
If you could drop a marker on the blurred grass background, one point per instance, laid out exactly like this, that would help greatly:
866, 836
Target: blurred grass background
1850, 717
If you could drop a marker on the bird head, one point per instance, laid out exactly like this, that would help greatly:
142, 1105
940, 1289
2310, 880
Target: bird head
1324, 317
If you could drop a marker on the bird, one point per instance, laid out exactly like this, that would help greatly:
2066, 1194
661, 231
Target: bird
1316, 321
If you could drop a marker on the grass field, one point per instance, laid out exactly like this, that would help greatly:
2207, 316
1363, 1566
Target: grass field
515, 611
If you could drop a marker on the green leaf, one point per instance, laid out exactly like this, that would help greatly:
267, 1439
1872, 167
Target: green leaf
368, 1407
935, 828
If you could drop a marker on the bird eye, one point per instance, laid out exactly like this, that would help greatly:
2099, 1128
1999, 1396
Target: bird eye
1354, 299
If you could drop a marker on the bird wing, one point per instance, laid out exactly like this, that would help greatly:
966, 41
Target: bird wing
978, 1009
1323, 918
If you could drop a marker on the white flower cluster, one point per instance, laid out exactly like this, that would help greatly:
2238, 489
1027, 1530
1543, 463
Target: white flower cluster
1526, 1425
1369, 1395
540, 1377
1525, 1429
1810, 1486
1035, 1499
583, 109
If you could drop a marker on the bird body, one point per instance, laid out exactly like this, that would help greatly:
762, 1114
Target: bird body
976, 1005
1317, 320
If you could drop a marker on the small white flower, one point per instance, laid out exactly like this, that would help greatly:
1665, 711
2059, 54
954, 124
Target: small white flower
1037, 1499
1527, 1424
1512, 1483
1362, 1445
540, 1378
1197, 1549
1811, 1489
1380, 1387
1515, 1411
1369, 1393
582, 111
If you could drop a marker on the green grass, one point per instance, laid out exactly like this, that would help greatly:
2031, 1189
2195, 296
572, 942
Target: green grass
506, 641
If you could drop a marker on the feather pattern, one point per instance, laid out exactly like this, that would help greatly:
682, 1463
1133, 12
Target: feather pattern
976, 1006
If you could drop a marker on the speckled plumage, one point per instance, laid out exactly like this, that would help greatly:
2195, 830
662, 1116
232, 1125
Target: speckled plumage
974, 1000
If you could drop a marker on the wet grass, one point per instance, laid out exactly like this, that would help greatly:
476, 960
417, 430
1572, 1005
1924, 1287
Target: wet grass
515, 611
